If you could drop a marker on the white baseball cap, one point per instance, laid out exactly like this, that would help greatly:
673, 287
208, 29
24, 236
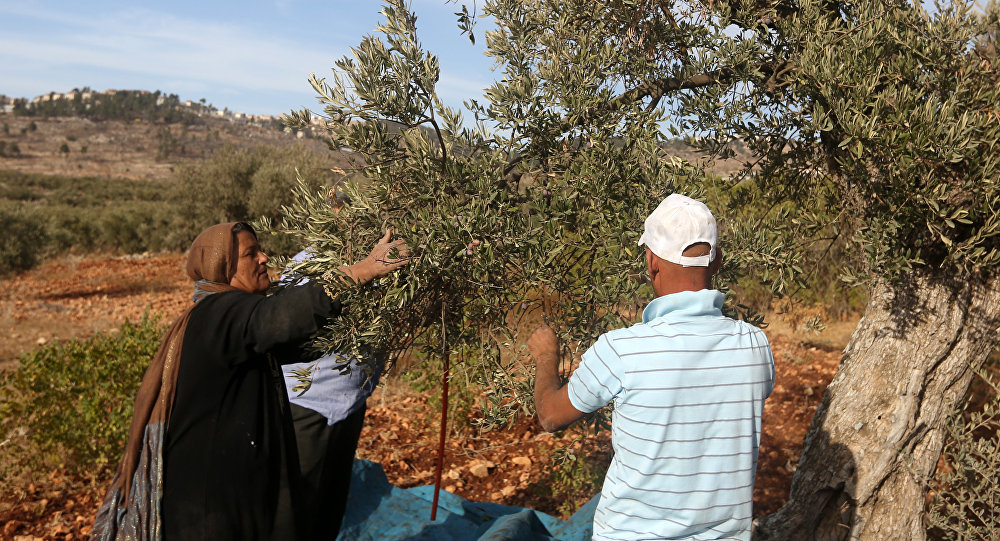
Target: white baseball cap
676, 224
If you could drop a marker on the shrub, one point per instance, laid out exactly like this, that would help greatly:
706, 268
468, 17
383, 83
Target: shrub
22, 241
71, 402
71, 229
966, 492
236, 184
576, 475
78, 214
133, 227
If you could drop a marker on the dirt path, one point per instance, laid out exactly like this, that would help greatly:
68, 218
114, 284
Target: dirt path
520, 465
76, 297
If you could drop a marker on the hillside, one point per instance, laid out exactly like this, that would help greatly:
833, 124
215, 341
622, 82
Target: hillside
137, 134
127, 149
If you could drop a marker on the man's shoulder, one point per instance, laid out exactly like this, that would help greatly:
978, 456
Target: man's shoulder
749, 328
635, 331
625, 339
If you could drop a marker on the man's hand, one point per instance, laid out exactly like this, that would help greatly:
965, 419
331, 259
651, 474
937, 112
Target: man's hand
383, 259
544, 348
552, 402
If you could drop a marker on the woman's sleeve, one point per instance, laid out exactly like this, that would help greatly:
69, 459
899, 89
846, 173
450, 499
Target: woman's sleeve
291, 315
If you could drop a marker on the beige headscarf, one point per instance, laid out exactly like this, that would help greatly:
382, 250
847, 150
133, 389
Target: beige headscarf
212, 263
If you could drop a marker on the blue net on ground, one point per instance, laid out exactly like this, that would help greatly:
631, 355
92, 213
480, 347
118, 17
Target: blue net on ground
376, 510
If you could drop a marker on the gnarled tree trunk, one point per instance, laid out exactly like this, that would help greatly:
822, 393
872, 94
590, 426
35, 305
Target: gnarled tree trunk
878, 431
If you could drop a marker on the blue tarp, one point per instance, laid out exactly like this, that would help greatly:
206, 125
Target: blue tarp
376, 510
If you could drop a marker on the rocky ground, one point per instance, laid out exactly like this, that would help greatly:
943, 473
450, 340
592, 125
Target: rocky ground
519, 465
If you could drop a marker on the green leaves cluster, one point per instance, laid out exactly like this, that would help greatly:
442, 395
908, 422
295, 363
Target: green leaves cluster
69, 404
877, 119
236, 184
966, 494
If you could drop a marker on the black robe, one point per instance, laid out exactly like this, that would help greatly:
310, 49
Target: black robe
230, 462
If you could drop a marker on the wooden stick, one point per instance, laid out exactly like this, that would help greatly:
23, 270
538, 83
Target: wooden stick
444, 415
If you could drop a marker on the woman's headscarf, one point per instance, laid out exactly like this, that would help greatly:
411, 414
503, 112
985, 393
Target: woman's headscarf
131, 509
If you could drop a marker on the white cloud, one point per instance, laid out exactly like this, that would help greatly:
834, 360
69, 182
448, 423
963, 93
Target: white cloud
145, 42
139, 43
230, 63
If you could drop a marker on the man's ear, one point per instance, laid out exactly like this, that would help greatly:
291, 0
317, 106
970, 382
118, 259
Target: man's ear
716, 263
654, 269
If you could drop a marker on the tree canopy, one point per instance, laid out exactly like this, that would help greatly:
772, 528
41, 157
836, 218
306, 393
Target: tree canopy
873, 130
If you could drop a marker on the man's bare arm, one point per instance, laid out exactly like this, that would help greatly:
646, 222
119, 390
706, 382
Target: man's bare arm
555, 411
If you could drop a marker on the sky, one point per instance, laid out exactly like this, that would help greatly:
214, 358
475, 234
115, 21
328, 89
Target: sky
252, 57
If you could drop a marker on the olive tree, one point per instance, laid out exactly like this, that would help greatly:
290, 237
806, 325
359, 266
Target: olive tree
511, 215
875, 123
883, 115
872, 123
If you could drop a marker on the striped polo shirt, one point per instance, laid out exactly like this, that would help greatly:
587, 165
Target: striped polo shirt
688, 386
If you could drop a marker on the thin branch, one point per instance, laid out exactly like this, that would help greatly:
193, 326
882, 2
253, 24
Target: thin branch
673, 23
437, 130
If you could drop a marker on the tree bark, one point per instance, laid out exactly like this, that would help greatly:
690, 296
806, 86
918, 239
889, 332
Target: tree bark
878, 432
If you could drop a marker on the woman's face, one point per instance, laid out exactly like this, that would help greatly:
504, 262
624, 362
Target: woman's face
251, 266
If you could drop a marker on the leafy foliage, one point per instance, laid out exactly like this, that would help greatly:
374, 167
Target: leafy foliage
69, 404
59, 214
18, 246
551, 208
578, 474
967, 491
237, 184
879, 114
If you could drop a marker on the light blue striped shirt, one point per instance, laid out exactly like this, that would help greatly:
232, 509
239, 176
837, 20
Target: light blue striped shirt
688, 386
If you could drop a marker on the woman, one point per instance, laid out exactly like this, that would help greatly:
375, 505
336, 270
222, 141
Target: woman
211, 453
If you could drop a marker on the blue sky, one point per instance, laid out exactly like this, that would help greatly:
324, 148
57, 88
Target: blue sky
252, 57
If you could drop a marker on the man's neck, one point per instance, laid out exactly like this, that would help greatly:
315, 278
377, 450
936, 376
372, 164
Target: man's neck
681, 283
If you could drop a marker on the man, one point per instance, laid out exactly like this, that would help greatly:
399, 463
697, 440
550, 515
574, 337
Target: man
688, 386
328, 418
211, 454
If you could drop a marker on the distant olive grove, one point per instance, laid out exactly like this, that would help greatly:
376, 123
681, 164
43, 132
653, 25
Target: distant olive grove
47, 215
